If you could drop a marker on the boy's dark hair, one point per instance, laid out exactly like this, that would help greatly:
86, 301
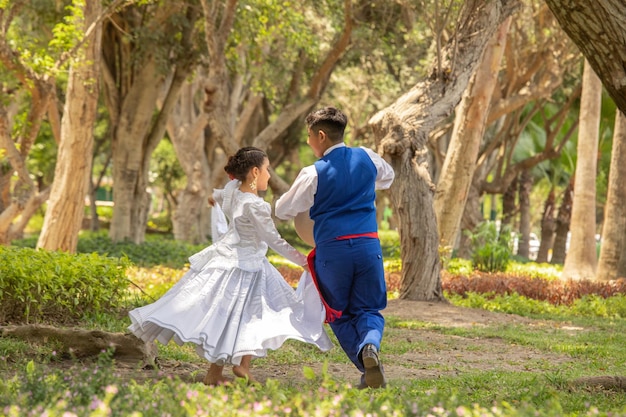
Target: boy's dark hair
243, 161
329, 119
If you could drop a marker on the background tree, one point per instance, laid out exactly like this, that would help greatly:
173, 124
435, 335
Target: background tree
66, 205
462, 153
143, 46
598, 28
533, 74
28, 94
613, 246
402, 132
580, 262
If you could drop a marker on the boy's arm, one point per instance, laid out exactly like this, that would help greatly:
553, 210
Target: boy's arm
385, 174
300, 196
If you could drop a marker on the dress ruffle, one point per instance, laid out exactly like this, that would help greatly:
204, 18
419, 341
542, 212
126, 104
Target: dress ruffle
232, 313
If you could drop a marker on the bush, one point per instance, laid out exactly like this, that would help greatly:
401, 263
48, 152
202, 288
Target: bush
156, 250
43, 286
555, 292
491, 250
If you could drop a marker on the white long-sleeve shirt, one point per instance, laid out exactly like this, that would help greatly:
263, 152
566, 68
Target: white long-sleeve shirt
301, 195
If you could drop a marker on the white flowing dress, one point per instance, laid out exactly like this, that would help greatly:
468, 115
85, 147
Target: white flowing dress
232, 302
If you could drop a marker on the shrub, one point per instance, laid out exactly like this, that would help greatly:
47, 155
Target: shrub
39, 285
156, 250
556, 292
491, 249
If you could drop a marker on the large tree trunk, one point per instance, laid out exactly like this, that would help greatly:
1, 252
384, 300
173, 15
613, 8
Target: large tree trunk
469, 127
402, 131
599, 29
580, 262
614, 228
66, 206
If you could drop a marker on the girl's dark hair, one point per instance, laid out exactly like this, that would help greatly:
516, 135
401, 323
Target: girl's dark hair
243, 161
329, 119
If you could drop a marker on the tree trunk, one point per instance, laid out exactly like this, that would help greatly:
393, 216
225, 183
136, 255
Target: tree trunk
402, 131
580, 262
469, 127
599, 29
131, 156
525, 186
563, 219
20, 197
66, 206
472, 217
548, 226
509, 203
185, 127
134, 80
614, 228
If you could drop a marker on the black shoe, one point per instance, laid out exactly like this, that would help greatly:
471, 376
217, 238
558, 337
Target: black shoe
374, 374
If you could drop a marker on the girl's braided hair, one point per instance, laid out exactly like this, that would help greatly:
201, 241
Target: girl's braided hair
243, 161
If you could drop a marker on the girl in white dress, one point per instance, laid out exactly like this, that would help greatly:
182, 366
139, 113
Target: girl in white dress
232, 303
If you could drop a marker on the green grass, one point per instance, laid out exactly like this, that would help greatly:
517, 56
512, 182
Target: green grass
591, 335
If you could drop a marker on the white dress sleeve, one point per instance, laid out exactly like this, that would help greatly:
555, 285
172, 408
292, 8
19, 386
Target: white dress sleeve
260, 213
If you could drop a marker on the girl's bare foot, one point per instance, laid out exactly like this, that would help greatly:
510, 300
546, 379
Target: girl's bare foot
214, 376
243, 370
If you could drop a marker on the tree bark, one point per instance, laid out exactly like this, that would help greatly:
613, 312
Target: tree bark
614, 228
20, 198
548, 227
580, 262
402, 131
599, 29
185, 126
134, 82
525, 186
469, 127
66, 206
563, 220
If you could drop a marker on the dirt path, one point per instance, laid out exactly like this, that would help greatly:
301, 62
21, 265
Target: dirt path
429, 354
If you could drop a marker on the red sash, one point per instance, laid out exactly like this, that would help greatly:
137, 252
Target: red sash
331, 313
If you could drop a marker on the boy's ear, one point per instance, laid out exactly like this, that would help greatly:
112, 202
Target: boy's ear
322, 135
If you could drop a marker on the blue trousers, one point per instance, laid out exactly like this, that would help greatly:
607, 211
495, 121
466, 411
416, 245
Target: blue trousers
351, 278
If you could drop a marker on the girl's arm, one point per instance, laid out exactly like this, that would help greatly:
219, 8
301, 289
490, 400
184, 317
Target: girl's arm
265, 227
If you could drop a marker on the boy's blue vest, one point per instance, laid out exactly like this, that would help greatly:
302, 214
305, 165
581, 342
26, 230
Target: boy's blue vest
344, 201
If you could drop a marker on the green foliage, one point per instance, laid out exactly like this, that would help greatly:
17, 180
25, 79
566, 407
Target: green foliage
156, 250
166, 171
586, 306
96, 390
535, 270
390, 242
69, 31
38, 285
491, 249
459, 266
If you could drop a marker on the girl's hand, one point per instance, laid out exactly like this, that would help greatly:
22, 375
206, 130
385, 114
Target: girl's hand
211, 201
